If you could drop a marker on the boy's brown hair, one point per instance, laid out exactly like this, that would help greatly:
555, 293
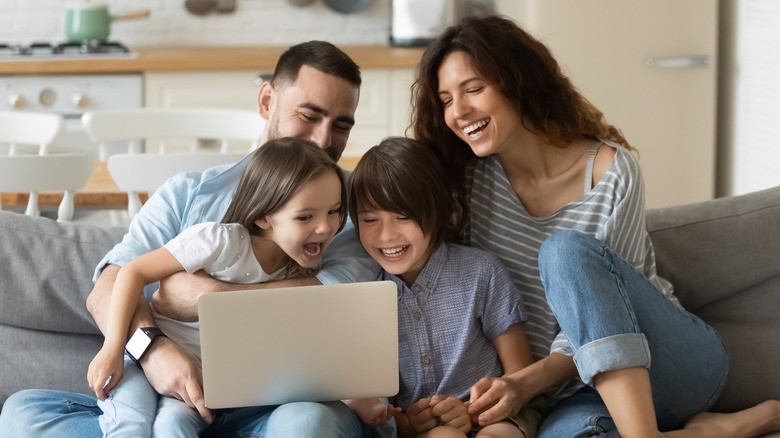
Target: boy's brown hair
401, 176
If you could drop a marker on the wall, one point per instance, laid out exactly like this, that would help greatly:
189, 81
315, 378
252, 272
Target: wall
749, 105
254, 22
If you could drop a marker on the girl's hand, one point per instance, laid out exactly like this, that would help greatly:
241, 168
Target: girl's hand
106, 365
420, 416
495, 398
452, 412
372, 411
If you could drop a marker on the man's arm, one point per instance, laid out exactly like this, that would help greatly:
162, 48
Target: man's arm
345, 261
178, 295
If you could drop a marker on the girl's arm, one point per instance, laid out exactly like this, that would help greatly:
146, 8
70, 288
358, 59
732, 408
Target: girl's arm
129, 284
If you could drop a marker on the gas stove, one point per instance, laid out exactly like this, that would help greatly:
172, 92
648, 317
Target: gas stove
43, 51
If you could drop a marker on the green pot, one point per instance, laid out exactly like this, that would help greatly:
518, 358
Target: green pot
87, 21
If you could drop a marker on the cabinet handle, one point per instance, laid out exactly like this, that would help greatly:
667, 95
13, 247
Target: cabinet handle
693, 61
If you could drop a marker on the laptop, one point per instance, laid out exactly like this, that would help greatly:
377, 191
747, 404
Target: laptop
309, 343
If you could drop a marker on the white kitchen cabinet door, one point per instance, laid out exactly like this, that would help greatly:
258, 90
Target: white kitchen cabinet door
383, 109
232, 89
666, 110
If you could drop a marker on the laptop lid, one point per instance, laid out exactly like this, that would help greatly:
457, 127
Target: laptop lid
310, 343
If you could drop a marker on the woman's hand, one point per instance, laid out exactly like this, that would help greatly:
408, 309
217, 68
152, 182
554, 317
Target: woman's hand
493, 399
105, 371
452, 412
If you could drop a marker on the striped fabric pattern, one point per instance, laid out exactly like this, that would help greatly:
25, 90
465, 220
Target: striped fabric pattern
612, 211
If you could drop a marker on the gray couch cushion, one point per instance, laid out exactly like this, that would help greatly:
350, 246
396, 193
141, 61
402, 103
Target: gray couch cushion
47, 337
723, 257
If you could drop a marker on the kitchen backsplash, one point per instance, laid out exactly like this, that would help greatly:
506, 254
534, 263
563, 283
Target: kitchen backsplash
254, 22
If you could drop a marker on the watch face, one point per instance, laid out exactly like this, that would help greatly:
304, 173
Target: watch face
138, 344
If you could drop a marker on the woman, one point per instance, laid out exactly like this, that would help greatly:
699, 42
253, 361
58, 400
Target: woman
552, 189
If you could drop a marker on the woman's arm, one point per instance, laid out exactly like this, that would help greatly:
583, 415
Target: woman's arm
515, 390
515, 354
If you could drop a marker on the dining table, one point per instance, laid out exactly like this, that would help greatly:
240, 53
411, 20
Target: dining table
100, 192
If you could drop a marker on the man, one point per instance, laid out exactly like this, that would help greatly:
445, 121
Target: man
313, 95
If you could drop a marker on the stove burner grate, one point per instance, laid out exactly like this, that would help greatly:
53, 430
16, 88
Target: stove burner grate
47, 50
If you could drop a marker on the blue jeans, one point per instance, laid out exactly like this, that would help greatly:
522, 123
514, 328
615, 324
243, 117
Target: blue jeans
135, 409
57, 414
615, 318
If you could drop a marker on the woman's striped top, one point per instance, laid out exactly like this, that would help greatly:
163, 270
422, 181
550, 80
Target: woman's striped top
613, 211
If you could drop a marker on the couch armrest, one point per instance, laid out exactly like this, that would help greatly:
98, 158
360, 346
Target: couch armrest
723, 258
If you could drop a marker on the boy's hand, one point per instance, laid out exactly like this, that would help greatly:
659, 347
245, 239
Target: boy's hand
452, 412
420, 416
105, 371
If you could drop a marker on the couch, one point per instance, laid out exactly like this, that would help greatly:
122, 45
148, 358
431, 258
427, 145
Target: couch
723, 256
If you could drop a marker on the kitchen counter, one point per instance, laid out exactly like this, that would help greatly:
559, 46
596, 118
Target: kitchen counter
190, 58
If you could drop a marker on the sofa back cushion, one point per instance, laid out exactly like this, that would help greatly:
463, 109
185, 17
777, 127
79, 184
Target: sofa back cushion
47, 337
723, 257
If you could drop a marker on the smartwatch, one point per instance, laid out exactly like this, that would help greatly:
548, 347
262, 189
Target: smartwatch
141, 341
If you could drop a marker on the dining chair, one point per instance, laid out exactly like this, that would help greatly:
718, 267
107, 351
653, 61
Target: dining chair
29, 167
134, 173
19, 129
33, 173
152, 129
148, 130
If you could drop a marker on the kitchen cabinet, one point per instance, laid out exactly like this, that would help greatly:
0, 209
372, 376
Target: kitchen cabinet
383, 109
651, 67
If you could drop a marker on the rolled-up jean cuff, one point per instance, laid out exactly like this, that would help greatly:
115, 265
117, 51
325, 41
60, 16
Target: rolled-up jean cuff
612, 353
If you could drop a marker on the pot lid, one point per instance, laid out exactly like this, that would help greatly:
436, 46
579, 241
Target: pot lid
85, 4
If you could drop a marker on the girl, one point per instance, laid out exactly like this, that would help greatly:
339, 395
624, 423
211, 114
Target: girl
555, 192
460, 316
287, 207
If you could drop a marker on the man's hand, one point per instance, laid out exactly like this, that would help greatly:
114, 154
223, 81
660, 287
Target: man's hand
452, 412
172, 372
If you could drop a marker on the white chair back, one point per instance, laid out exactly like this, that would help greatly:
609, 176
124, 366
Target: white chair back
54, 172
20, 171
169, 124
135, 173
146, 172
29, 128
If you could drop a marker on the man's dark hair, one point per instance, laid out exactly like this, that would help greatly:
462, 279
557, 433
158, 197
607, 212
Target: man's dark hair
320, 55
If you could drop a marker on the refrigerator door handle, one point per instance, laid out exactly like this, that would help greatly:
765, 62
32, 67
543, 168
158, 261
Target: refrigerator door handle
693, 61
